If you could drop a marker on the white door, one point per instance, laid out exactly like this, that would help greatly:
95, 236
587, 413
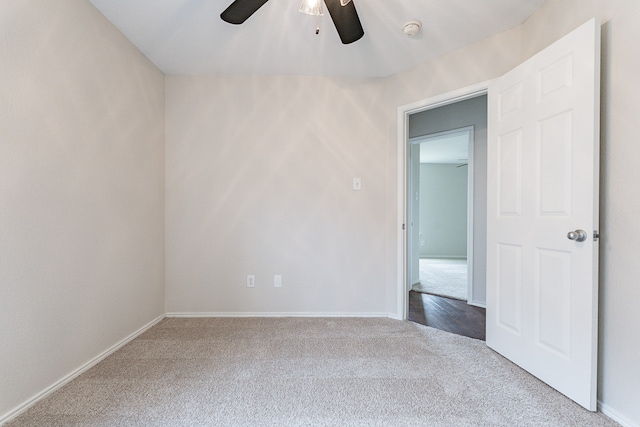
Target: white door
542, 287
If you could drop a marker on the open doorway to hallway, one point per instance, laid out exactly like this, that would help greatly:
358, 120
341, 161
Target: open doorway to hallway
446, 207
441, 226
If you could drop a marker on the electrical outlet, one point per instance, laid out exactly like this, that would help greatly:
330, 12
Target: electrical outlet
277, 281
251, 281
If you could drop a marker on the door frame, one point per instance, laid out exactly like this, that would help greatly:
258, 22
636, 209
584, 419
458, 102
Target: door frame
404, 111
417, 140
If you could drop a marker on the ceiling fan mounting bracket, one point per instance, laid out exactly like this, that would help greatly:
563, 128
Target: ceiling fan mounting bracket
343, 13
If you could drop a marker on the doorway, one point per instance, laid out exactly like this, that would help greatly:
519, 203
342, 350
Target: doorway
441, 213
443, 238
451, 116
437, 114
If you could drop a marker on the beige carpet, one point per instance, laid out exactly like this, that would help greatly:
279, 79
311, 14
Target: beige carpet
305, 372
443, 276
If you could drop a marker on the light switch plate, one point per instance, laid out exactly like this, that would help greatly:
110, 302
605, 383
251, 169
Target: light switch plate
357, 184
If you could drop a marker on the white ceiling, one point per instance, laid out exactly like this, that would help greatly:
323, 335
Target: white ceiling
188, 36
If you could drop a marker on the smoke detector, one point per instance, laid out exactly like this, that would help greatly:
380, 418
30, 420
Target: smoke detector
412, 28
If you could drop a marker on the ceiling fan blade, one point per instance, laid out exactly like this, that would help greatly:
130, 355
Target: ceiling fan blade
346, 20
240, 10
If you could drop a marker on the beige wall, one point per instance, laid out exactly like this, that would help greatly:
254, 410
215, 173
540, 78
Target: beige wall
259, 181
81, 192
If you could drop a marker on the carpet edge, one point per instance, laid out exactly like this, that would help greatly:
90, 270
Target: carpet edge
15, 412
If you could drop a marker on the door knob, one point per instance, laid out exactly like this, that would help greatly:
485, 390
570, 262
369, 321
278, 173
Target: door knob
578, 235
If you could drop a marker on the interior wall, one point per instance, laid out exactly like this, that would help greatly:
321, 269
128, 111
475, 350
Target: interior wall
259, 178
443, 211
471, 112
81, 192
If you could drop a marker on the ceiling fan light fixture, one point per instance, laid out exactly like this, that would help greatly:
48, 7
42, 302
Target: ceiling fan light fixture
344, 2
312, 7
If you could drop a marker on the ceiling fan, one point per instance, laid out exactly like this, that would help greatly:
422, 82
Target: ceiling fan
343, 13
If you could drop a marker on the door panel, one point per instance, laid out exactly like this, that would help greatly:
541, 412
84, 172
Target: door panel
553, 301
510, 288
542, 183
510, 173
553, 172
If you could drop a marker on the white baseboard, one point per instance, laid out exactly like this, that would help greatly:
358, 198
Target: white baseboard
273, 314
69, 377
477, 304
616, 416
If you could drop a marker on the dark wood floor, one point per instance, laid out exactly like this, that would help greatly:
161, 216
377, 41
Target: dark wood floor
447, 314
